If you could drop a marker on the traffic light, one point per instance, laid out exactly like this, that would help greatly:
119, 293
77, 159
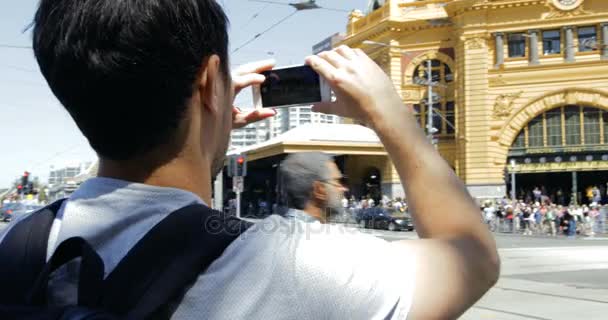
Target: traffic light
241, 166
20, 189
237, 166
25, 179
29, 189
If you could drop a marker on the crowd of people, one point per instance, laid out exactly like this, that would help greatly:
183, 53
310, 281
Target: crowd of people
545, 218
534, 215
560, 196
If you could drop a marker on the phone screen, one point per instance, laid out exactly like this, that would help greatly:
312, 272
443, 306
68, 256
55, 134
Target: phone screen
289, 86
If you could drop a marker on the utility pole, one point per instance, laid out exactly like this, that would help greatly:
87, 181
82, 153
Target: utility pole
513, 191
429, 106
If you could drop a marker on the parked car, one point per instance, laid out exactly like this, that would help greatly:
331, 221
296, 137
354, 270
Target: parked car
381, 218
8, 211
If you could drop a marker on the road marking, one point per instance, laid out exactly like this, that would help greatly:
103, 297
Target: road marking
552, 295
553, 248
513, 313
596, 239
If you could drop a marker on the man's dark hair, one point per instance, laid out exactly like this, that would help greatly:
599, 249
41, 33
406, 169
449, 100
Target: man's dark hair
126, 69
298, 173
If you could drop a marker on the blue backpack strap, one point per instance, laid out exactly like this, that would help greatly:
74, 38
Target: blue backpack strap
23, 254
153, 277
90, 275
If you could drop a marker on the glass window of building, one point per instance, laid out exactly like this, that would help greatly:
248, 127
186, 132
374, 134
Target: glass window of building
579, 122
444, 110
592, 125
449, 76
417, 110
552, 43
421, 72
586, 35
535, 133
520, 140
573, 125
605, 125
437, 120
554, 127
517, 45
450, 117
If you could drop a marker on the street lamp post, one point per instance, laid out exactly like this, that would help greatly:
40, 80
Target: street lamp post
513, 193
429, 125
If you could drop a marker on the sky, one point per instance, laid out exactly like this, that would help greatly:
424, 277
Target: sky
38, 133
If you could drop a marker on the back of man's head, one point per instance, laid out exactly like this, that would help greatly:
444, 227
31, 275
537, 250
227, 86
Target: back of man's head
125, 70
298, 173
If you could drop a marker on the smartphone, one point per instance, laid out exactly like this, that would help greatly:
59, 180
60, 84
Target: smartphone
290, 86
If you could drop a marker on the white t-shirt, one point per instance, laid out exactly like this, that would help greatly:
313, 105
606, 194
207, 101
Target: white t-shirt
489, 213
344, 203
278, 269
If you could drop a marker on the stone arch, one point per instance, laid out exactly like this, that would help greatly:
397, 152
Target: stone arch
552, 100
430, 55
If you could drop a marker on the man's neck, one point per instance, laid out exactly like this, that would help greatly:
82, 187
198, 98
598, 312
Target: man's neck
178, 173
315, 212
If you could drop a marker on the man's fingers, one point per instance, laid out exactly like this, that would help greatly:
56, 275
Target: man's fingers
260, 114
346, 52
255, 67
241, 118
244, 81
360, 53
334, 58
322, 67
323, 107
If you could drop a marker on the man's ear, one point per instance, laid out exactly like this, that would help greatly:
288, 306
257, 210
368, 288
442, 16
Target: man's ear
209, 80
319, 192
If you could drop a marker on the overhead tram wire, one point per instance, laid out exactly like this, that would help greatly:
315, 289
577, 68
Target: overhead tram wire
255, 16
302, 5
263, 32
10, 46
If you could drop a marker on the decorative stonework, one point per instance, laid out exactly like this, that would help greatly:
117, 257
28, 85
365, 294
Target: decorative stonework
566, 5
575, 96
355, 15
565, 8
476, 43
504, 104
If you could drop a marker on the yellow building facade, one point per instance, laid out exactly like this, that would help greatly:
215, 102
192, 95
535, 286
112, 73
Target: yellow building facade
519, 86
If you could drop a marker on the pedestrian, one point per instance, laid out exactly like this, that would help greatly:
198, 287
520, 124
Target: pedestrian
313, 186
489, 214
601, 219
528, 218
569, 221
517, 218
148, 84
537, 194
550, 218
509, 217
597, 196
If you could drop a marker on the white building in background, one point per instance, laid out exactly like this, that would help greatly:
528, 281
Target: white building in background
285, 120
64, 181
68, 172
249, 135
293, 117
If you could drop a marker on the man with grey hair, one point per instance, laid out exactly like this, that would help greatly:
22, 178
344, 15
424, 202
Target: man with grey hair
311, 186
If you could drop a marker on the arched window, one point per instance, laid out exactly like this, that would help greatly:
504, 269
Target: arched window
440, 72
444, 107
565, 127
